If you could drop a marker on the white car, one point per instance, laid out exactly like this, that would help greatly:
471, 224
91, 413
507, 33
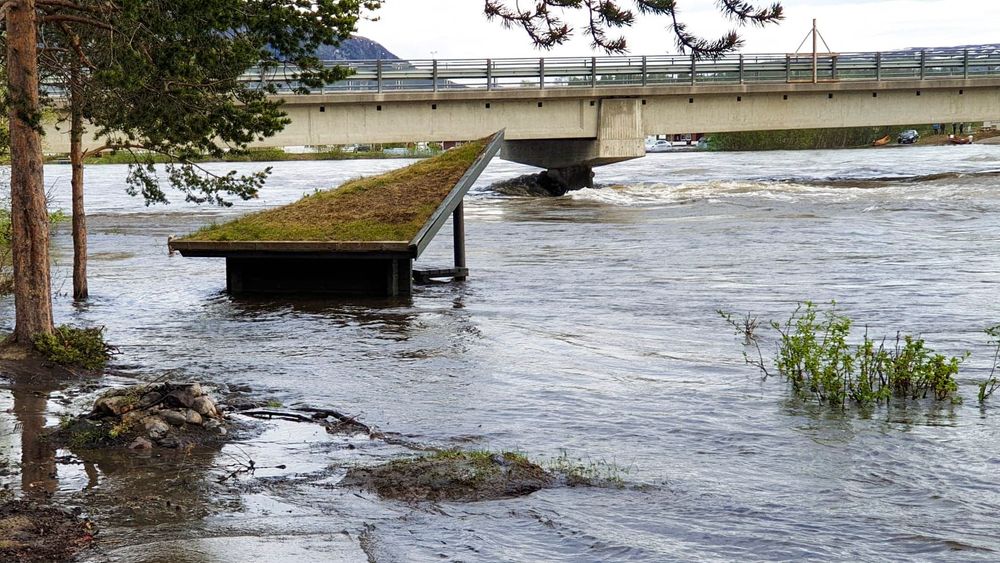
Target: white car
659, 146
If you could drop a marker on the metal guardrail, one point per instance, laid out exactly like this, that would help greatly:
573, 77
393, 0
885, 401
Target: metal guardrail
665, 70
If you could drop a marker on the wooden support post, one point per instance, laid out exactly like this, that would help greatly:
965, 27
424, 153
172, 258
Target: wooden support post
458, 226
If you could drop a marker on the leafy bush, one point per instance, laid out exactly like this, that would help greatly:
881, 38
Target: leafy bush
815, 357
75, 347
991, 384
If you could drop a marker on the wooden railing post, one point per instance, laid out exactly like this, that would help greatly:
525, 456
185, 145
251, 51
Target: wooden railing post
458, 232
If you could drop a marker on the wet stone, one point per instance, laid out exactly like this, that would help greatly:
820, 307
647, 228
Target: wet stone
192, 417
204, 406
114, 405
173, 417
156, 427
141, 443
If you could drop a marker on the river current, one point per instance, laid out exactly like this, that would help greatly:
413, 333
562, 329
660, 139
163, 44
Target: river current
587, 330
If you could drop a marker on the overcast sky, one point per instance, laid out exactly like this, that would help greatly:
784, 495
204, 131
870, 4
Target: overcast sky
457, 28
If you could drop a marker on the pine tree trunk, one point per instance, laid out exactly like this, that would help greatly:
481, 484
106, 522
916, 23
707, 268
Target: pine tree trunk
29, 218
80, 291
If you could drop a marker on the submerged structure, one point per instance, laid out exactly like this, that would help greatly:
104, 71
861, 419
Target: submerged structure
358, 239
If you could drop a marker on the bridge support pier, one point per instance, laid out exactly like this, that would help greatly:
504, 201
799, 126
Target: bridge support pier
570, 163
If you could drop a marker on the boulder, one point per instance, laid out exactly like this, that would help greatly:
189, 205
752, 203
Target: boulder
156, 427
113, 405
183, 395
174, 417
192, 417
205, 407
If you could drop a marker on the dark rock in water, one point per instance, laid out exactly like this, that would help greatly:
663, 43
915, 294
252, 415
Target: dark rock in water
452, 476
550, 183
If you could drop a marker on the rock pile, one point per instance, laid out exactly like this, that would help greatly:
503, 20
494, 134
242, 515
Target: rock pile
168, 415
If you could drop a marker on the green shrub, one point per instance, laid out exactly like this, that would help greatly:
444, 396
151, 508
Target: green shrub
75, 347
986, 388
814, 355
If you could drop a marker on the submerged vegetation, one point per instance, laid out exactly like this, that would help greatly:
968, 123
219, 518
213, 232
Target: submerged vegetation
815, 356
452, 475
75, 347
389, 207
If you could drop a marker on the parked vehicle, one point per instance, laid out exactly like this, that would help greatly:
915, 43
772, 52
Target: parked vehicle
659, 146
908, 137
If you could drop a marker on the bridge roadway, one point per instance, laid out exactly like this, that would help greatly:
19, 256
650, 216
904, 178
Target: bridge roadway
570, 114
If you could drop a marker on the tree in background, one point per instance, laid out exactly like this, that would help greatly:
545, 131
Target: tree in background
546, 28
153, 77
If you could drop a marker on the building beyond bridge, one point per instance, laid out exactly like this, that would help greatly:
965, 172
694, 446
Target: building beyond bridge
570, 114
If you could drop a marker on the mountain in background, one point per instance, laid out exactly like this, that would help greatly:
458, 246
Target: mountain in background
356, 48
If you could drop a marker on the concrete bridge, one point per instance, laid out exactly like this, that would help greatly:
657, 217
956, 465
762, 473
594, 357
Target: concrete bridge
570, 114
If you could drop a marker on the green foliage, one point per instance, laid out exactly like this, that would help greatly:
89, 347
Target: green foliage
986, 388
814, 355
796, 139
166, 80
75, 347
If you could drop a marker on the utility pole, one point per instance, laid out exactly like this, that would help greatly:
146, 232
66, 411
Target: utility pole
815, 56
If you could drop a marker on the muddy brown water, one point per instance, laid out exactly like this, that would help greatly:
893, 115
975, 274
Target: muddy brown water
588, 329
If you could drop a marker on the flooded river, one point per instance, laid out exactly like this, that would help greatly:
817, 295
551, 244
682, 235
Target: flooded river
588, 329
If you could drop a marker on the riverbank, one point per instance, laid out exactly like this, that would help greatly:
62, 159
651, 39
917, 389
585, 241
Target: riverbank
263, 155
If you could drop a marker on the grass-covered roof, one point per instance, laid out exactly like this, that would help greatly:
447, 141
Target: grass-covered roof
390, 207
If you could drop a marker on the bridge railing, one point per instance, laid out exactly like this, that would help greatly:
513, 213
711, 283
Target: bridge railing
638, 71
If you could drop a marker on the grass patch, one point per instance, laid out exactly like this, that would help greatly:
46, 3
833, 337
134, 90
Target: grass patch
589, 472
389, 207
75, 347
452, 475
